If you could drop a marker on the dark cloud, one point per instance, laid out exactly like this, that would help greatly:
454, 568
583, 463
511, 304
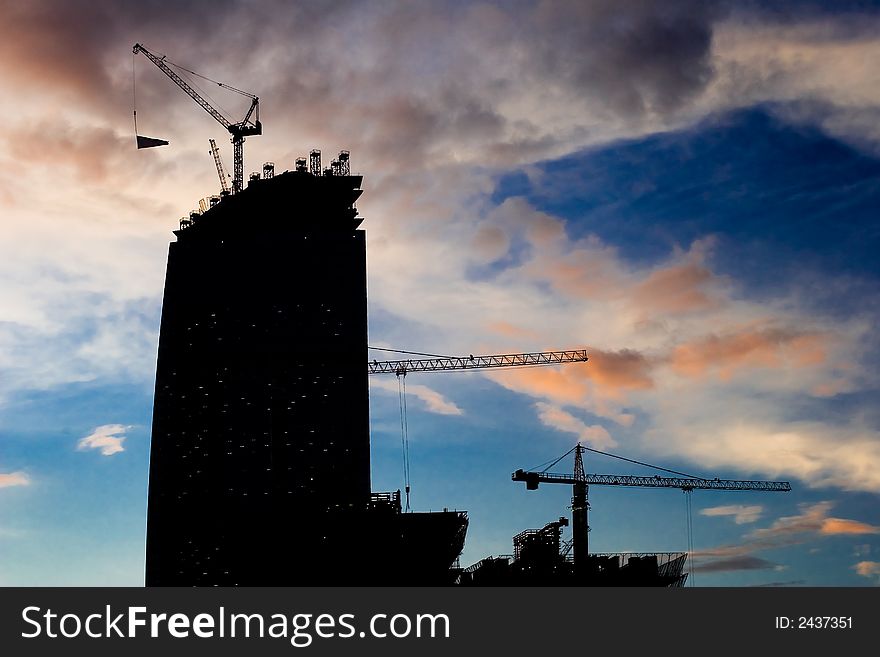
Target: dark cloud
634, 57
795, 582
407, 83
746, 562
73, 48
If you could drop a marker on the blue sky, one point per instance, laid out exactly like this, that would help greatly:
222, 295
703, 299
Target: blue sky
688, 190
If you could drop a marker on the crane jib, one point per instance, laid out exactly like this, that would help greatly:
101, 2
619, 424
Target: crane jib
476, 362
532, 480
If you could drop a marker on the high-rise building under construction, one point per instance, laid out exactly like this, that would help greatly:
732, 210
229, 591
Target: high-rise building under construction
260, 454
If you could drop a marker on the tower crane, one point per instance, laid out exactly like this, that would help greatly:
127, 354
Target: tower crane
446, 363
580, 481
224, 185
249, 125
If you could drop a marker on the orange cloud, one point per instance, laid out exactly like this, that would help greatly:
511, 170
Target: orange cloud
8, 479
57, 47
583, 274
769, 348
807, 349
560, 385
509, 330
609, 372
843, 526
831, 388
868, 568
490, 243
813, 521
677, 289
614, 371
593, 386
92, 152
544, 230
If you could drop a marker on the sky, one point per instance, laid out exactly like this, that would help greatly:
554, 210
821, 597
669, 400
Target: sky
688, 190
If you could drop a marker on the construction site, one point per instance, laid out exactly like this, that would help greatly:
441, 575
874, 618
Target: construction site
260, 454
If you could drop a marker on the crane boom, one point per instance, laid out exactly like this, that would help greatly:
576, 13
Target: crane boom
476, 362
183, 84
651, 482
239, 130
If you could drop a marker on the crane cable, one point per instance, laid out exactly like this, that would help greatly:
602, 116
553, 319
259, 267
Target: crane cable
404, 433
404, 351
134, 95
549, 464
689, 511
647, 465
205, 77
222, 110
545, 466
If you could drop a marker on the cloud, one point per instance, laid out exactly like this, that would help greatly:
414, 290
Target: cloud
870, 569
746, 562
862, 550
8, 479
815, 63
95, 154
767, 348
842, 526
568, 386
595, 435
675, 289
799, 449
742, 514
795, 582
639, 57
811, 523
490, 242
108, 438
813, 518
509, 330
433, 400
607, 376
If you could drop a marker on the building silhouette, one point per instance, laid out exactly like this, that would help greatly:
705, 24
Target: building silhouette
260, 453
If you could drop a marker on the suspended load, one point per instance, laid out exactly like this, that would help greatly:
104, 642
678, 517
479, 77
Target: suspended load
149, 142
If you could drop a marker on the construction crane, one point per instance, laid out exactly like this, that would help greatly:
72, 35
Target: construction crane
224, 185
437, 363
579, 481
249, 125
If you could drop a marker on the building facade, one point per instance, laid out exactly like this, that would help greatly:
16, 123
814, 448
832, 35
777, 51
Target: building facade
260, 442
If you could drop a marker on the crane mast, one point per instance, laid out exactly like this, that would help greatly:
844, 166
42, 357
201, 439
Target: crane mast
580, 482
244, 128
